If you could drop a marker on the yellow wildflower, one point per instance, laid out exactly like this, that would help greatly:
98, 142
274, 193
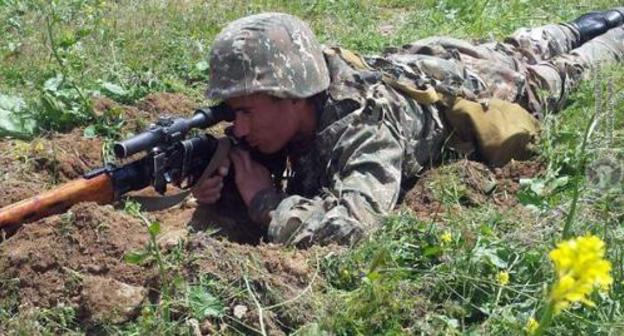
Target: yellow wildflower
446, 237
38, 148
580, 267
502, 278
20, 149
531, 326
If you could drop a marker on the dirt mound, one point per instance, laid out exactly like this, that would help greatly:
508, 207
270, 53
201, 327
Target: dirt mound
468, 183
29, 168
282, 281
76, 260
509, 176
68, 156
17, 176
49, 259
62, 156
137, 118
165, 103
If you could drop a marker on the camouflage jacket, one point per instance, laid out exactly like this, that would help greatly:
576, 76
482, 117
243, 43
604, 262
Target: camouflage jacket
370, 139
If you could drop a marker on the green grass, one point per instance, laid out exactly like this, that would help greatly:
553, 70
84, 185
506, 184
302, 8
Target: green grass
54, 55
128, 49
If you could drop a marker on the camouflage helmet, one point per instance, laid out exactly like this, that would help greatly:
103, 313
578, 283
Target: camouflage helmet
271, 53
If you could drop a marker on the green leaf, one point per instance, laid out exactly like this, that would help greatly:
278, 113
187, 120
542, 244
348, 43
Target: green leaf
67, 39
380, 259
154, 229
132, 207
491, 256
432, 251
538, 187
90, 132
527, 197
486, 230
559, 183
114, 89
11, 122
53, 84
135, 258
203, 304
373, 276
496, 260
201, 66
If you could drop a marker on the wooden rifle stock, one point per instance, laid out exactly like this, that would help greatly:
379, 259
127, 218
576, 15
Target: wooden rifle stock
98, 189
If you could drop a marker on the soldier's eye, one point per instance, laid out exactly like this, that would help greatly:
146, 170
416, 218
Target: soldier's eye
243, 111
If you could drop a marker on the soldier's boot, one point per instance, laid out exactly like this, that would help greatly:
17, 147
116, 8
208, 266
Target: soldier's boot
594, 24
551, 81
607, 48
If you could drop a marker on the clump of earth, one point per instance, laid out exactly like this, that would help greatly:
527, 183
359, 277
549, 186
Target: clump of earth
474, 184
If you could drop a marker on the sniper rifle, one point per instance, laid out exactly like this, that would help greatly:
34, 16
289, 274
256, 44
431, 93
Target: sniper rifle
172, 157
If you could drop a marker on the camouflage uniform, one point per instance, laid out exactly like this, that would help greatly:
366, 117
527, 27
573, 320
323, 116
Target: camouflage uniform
372, 138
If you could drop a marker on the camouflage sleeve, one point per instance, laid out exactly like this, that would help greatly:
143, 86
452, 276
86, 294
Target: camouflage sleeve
365, 175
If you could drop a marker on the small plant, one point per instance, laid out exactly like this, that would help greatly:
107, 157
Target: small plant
201, 302
177, 300
152, 253
13, 120
581, 267
62, 105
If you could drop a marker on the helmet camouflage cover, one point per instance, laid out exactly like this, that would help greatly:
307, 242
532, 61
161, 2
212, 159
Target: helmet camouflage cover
271, 53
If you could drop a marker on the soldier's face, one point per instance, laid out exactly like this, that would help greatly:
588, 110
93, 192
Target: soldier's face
265, 122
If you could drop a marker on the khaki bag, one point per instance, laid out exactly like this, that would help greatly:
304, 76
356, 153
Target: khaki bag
497, 131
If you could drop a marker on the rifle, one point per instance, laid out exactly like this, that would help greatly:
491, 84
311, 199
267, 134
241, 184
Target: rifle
171, 158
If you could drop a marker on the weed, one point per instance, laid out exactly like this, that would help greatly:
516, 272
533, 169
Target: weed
176, 297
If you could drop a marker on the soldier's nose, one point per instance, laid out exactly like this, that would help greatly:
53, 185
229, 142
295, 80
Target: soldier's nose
241, 125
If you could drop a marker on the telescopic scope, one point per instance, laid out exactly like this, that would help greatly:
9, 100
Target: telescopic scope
167, 130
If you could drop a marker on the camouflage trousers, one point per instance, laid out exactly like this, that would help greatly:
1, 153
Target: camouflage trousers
535, 67
541, 65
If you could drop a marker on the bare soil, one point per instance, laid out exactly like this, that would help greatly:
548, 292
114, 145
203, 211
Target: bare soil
147, 110
29, 168
51, 256
164, 103
478, 182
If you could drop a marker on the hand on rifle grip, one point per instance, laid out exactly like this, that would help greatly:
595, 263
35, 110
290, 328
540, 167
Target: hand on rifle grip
209, 191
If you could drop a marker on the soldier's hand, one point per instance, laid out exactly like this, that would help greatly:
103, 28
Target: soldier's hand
249, 175
209, 191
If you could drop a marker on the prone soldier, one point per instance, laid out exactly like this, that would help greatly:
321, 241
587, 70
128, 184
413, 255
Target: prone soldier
355, 129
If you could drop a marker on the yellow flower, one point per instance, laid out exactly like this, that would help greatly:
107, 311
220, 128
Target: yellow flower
446, 237
531, 326
20, 149
38, 148
502, 278
580, 267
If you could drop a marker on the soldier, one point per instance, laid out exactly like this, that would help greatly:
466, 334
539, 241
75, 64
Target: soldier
356, 129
